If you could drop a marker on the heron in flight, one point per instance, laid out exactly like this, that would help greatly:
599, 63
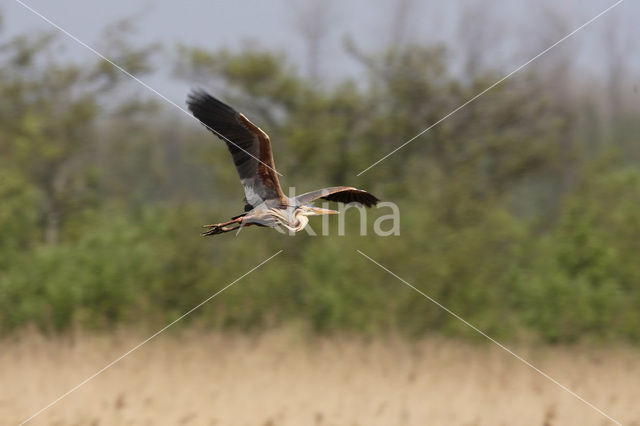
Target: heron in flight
265, 203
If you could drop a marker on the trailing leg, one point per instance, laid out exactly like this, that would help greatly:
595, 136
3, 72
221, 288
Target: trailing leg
220, 228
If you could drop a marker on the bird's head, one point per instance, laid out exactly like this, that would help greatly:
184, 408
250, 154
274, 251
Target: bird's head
314, 211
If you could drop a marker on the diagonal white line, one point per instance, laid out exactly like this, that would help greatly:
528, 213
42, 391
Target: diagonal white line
449, 311
128, 74
85, 381
494, 84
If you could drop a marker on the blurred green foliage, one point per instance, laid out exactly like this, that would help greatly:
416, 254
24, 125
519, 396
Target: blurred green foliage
508, 217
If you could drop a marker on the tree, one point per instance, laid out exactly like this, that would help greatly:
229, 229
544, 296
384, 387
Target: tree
49, 115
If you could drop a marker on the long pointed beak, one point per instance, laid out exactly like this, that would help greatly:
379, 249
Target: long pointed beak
318, 211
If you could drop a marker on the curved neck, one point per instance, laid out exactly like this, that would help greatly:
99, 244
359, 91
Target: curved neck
301, 220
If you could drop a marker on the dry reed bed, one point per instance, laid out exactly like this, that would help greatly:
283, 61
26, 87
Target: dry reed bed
280, 378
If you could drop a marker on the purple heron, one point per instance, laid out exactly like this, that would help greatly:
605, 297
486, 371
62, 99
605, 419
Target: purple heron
265, 203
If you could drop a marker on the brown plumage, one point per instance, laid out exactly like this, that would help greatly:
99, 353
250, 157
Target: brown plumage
250, 148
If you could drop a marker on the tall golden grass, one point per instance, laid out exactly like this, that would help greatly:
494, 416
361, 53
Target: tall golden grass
282, 378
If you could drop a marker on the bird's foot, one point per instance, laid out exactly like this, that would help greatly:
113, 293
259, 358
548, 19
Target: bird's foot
219, 228
213, 230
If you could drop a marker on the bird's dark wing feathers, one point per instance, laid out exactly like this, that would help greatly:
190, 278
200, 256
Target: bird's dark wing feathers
340, 194
249, 146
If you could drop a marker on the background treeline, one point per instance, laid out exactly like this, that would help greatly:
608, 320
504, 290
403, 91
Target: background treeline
520, 213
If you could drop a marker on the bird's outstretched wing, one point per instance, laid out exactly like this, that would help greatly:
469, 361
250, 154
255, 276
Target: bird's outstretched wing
341, 194
249, 146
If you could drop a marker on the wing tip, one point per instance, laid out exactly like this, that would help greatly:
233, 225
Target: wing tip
196, 96
367, 199
199, 100
371, 201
